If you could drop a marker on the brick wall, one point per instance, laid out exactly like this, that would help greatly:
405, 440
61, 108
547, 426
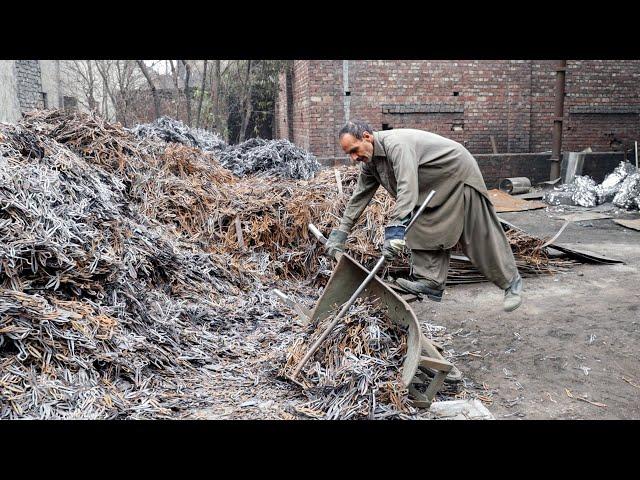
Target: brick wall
29, 84
469, 101
534, 166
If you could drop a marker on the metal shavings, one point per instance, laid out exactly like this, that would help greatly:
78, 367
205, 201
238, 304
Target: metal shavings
356, 372
276, 157
628, 195
172, 130
622, 186
611, 184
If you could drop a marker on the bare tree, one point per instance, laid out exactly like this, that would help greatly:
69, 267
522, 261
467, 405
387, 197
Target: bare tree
204, 78
174, 75
104, 67
220, 114
154, 92
246, 104
80, 76
187, 93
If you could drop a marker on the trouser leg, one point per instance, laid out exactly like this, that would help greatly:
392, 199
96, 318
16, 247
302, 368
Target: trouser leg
485, 243
430, 266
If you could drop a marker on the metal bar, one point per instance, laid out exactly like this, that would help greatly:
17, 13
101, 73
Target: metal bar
239, 232
317, 233
556, 150
338, 180
493, 144
355, 295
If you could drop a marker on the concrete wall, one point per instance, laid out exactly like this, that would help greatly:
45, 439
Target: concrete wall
50, 75
23, 82
9, 105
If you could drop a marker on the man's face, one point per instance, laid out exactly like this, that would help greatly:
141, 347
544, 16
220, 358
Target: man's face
358, 150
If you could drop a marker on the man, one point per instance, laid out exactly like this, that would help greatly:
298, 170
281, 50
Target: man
409, 164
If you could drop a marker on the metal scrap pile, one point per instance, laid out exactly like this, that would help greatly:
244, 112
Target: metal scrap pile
102, 313
132, 268
622, 187
279, 158
274, 157
356, 373
174, 131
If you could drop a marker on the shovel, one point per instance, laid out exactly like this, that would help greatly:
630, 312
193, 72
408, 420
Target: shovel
353, 297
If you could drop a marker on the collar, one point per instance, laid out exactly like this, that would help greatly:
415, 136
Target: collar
378, 149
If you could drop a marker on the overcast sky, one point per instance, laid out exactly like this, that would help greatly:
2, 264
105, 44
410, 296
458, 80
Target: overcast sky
159, 66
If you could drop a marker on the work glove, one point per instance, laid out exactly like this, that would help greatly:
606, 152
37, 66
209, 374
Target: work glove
335, 243
393, 241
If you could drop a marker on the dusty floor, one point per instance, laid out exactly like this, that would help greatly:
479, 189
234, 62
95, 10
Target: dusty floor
577, 331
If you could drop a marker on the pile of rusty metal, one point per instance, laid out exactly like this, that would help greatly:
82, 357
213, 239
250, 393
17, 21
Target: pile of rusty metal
279, 158
133, 268
102, 312
355, 374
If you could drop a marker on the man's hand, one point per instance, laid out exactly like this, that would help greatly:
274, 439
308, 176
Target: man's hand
393, 241
336, 242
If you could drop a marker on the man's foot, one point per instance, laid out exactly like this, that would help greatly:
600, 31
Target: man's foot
420, 288
512, 297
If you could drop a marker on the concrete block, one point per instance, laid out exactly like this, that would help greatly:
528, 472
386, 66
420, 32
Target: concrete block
472, 409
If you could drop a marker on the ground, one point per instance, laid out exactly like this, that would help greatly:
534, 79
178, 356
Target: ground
575, 331
576, 334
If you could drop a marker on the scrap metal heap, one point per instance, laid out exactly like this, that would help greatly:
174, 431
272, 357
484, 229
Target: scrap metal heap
135, 277
256, 155
622, 187
356, 372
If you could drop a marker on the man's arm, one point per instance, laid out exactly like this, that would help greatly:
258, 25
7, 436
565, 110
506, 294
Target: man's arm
362, 195
405, 167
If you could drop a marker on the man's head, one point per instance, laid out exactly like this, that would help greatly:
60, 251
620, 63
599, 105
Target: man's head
356, 139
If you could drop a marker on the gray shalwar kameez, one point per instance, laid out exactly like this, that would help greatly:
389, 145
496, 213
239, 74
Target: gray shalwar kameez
409, 164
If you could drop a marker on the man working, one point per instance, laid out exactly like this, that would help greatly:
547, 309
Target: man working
409, 164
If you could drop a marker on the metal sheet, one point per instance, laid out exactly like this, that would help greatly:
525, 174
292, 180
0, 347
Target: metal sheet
582, 216
633, 224
581, 255
503, 202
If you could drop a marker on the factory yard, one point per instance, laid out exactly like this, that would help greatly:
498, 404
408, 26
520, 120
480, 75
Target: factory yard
576, 333
138, 270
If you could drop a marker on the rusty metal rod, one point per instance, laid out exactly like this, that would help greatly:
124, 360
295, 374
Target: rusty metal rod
556, 139
355, 295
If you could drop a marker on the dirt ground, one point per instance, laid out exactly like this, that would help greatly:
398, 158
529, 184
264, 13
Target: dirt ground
577, 331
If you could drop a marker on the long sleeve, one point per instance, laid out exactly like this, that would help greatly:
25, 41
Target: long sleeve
405, 166
362, 195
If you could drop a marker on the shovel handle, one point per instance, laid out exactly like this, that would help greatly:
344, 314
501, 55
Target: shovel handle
355, 295
317, 233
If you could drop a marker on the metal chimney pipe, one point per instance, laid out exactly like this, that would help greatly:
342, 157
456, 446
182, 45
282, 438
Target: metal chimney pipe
556, 150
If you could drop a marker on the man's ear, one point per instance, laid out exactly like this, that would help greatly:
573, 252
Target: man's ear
367, 136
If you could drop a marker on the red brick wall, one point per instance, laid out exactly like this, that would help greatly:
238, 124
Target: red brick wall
513, 100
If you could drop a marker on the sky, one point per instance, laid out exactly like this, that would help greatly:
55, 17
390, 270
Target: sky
159, 66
